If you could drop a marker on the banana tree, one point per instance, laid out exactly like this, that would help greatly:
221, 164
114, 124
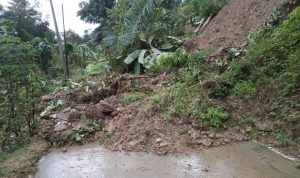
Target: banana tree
144, 57
45, 53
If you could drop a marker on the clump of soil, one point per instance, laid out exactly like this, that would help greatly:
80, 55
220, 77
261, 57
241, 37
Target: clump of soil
229, 28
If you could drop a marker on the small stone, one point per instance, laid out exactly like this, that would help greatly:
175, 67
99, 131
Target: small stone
195, 136
60, 127
216, 143
64, 150
119, 109
239, 138
48, 97
219, 136
106, 108
158, 140
205, 133
227, 140
212, 135
207, 142
163, 144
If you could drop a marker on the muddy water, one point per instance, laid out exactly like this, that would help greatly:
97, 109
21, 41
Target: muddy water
244, 160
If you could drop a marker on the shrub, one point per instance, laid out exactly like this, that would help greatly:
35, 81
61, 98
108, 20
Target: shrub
216, 117
244, 90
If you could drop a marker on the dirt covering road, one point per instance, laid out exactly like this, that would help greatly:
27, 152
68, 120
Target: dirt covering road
132, 126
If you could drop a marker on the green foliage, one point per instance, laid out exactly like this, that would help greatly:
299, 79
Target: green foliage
216, 117
244, 90
283, 138
28, 22
20, 86
97, 68
53, 106
206, 8
81, 131
189, 66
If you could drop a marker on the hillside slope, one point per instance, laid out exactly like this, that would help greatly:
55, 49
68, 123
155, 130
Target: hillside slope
229, 28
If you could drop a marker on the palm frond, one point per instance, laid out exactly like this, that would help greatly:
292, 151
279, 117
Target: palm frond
139, 14
119, 42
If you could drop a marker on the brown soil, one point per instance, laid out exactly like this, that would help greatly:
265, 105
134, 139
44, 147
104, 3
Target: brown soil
230, 27
139, 125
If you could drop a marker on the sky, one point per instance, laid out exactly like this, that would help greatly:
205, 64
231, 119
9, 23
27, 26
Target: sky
71, 20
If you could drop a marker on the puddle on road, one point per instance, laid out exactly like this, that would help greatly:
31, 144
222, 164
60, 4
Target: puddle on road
242, 160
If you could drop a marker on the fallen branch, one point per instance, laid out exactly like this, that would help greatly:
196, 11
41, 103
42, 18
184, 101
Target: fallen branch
200, 30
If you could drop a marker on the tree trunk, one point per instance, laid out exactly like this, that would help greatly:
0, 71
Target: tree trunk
64, 64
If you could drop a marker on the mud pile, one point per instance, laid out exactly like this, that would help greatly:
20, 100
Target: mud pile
95, 112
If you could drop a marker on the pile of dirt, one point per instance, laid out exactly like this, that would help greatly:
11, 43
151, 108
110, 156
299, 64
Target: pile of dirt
229, 28
87, 106
138, 126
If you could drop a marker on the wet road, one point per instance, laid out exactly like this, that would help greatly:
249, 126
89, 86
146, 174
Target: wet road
243, 160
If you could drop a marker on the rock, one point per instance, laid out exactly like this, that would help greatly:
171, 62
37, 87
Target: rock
163, 144
239, 137
67, 115
216, 143
64, 150
265, 126
207, 142
219, 136
120, 109
205, 132
227, 140
66, 109
80, 107
158, 140
195, 135
48, 97
60, 127
106, 108
212, 135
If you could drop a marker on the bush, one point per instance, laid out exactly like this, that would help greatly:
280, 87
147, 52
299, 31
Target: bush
216, 117
244, 90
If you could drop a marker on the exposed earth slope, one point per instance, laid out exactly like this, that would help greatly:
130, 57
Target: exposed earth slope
229, 28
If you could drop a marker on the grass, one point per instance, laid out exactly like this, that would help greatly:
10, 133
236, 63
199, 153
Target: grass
132, 97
